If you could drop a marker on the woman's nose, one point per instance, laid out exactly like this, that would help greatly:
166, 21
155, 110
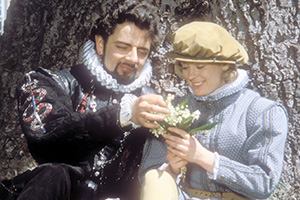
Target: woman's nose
192, 72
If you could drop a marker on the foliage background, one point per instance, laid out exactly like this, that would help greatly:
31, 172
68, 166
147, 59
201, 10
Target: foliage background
51, 33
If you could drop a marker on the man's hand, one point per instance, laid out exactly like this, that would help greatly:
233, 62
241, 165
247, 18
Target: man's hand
144, 110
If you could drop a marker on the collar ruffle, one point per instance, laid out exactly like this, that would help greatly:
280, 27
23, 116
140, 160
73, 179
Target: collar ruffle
94, 64
227, 89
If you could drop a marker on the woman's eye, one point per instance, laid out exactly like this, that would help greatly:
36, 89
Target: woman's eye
184, 68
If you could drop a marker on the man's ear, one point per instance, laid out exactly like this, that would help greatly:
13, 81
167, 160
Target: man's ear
99, 44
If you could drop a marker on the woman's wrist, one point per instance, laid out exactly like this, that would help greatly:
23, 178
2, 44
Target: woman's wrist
206, 160
169, 169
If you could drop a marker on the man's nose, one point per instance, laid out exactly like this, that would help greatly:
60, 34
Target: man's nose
132, 56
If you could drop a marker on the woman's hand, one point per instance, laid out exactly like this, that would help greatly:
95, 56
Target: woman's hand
145, 106
189, 148
175, 162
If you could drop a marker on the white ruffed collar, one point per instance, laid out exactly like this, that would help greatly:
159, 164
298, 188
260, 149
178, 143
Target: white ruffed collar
227, 89
94, 64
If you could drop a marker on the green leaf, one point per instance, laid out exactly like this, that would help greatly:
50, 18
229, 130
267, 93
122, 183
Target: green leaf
186, 123
164, 124
183, 103
204, 127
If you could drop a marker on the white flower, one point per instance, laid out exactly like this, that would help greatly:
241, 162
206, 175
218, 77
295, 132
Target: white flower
176, 117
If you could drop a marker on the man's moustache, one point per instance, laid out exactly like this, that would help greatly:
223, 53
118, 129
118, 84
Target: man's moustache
134, 66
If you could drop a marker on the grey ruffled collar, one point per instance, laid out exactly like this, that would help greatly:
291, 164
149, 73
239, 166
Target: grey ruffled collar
225, 90
94, 64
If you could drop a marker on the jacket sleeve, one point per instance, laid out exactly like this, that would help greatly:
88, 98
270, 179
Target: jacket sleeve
263, 151
54, 131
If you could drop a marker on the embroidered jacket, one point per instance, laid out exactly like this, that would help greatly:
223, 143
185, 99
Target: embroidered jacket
249, 138
72, 117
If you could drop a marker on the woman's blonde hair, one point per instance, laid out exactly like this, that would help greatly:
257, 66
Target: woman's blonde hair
231, 74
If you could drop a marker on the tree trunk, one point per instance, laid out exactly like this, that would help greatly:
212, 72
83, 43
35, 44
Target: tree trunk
51, 33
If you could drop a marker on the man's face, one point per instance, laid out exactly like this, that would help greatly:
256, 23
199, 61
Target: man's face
125, 52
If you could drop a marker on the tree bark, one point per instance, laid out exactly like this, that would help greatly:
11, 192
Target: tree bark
51, 33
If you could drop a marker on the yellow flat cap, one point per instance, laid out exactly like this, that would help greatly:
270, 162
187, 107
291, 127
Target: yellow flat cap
206, 42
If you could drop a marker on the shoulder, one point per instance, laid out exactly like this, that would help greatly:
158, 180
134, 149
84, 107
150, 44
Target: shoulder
63, 78
262, 107
259, 103
256, 102
41, 74
44, 81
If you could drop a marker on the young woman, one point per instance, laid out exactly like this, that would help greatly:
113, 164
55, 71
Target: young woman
242, 156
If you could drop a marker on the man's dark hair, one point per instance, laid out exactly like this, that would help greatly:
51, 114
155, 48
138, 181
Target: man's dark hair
141, 13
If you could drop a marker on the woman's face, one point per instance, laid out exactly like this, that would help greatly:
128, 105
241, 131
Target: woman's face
204, 78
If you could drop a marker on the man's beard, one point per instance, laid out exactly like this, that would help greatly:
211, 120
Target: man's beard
123, 79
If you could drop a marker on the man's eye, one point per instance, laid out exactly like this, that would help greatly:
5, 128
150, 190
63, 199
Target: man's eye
200, 67
143, 53
122, 47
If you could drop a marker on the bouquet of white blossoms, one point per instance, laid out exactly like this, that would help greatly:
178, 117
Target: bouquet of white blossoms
179, 117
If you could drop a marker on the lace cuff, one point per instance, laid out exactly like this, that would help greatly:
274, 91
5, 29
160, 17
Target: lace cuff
216, 167
126, 110
165, 165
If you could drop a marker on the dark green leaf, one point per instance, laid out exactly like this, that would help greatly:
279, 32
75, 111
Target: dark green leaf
186, 123
204, 127
164, 124
183, 103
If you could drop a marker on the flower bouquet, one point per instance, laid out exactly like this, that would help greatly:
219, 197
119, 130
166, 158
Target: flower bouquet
179, 117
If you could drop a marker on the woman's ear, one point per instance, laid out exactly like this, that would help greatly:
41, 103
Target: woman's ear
99, 44
225, 67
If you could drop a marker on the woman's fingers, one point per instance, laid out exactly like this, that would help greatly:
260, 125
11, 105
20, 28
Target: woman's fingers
175, 162
177, 152
179, 132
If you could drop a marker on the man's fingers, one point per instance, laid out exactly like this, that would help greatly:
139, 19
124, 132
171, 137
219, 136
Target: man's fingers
158, 109
152, 117
150, 125
154, 99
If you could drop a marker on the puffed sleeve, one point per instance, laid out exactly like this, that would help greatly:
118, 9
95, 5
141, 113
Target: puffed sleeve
54, 131
263, 151
154, 155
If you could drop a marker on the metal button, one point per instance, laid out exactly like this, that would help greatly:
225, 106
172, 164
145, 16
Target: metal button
209, 105
97, 173
114, 101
